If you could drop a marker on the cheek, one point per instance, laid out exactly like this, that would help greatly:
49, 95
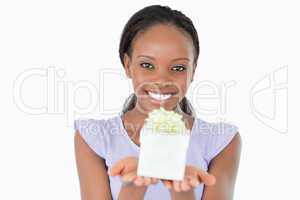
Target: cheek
183, 90
137, 79
140, 80
182, 84
138, 85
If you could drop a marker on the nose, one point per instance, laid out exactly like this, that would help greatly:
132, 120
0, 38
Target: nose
163, 84
162, 78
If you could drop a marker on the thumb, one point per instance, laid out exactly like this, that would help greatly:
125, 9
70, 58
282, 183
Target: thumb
207, 179
125, 165
116, 169
167, 183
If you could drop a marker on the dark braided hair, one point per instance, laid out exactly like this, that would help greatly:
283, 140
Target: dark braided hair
140, 22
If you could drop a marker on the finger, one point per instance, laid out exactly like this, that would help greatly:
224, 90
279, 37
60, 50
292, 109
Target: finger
129, 177
176, 186
126, 164
147, 181
203, 176
194, 182
185, 186
117, 168
154, 180
139, 181
206, 178
167, 183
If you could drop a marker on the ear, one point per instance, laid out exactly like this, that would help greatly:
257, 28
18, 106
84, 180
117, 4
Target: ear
126, 65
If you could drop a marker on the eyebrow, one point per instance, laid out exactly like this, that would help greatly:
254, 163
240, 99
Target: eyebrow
152, 58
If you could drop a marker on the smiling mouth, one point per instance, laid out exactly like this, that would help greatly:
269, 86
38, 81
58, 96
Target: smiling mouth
159, 96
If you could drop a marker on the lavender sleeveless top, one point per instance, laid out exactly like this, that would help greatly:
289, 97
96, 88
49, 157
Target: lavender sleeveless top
109, 140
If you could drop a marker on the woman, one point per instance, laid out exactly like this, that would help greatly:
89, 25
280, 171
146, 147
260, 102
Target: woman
159, 49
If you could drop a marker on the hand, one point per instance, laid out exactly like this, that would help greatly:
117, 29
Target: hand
192, 178
127, 169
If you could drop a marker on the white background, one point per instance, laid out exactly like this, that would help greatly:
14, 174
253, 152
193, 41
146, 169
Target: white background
244, 42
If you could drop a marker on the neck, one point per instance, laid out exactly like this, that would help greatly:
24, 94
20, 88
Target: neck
135, 118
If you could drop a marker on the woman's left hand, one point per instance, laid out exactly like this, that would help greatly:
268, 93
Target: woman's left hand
192, 178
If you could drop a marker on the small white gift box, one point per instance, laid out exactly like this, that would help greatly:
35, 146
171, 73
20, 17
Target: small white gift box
163, 155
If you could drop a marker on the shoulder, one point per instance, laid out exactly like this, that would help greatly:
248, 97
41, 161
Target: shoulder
222, 154
93, 126
216, 136
96, 132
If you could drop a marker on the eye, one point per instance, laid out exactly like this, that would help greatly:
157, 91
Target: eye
147, 65
178, 68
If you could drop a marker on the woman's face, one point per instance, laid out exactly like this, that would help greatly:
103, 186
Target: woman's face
161, 67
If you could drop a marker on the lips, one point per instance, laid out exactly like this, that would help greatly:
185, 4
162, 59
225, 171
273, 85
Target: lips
160, 96
162, 91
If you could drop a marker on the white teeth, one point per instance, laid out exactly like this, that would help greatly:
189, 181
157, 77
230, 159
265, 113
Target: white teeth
159, 97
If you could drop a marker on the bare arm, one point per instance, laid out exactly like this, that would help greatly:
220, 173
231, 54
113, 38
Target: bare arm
224, 166
93, 178
189, 195
132, 192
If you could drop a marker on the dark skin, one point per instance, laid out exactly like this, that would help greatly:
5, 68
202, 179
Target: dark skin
159, 62
162, 63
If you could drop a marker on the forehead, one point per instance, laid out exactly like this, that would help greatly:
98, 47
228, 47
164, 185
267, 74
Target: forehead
163, 41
